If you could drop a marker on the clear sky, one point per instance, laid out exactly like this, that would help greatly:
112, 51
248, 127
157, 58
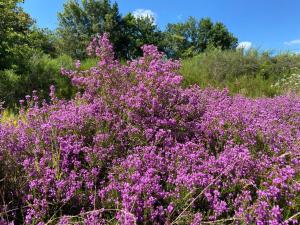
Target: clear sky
266, 24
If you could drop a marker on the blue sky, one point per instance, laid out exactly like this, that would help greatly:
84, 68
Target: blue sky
266, 24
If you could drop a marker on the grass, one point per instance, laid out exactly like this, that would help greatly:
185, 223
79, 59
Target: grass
250, 73
8, 116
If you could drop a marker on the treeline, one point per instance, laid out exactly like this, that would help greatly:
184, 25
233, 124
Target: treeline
81, 20
31, 57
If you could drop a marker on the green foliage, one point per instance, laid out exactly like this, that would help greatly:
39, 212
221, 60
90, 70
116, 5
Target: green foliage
44, 40
31, 58
138, 32
41, 71
45, 71
21, 45
194, 36
14, 34
81, 20
88, 63
19, 38
249, 73
290, 83
9, 87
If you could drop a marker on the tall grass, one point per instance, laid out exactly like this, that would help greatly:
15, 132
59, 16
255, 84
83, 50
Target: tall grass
9, 116
249, 73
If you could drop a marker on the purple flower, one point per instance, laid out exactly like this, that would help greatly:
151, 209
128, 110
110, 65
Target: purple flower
135, 147
77, 64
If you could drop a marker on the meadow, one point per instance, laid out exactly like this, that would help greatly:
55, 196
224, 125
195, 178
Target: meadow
141, 144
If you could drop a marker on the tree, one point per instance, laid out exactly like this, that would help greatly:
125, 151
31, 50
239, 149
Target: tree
44, 40
195, 36
138, 32
20, 42
221, 38
15, 41
80, 21
19, 37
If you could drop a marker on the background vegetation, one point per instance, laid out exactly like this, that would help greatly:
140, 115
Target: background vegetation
249, 73
31, 57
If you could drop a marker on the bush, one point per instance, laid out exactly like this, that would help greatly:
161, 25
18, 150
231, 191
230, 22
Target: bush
134, 147
9, 87
249, 73
290, 83
40, 72
44, 71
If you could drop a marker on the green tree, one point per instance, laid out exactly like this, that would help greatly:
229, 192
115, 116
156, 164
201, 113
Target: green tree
19, 37
81, 20
15, 40
138, 32
195, 36
44, 40
20, 42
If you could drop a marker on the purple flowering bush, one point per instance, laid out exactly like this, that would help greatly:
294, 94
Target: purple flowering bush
134, 147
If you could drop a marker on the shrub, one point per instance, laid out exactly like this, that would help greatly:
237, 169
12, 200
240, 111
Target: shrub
44, 71
9, 86
134, 147
290, 83
41, 71
250, 73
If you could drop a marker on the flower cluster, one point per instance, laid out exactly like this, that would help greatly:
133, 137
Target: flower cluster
134, 147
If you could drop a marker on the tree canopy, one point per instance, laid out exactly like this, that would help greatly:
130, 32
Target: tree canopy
21, 41
15, 33
195, 36
138, 32
82, 20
